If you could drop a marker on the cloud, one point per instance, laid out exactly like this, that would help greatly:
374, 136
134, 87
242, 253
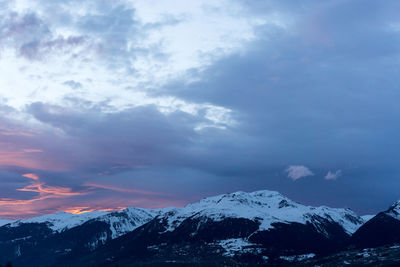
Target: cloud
110, 46
298, 171
123, 190
80, 210
44, 192
31, 176
73, 84
333, 175
199, 99
37, 50
24, 146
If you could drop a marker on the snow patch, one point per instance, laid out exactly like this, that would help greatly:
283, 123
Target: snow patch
18, 251
96, 243
235, 246
295, 258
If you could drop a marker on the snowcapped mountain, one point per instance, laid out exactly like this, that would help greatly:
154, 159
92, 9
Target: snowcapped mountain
62, 233
260, 225
265, 207
120, 222
61, 221
127, 220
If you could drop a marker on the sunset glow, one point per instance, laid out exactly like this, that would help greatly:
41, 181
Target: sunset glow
81, 210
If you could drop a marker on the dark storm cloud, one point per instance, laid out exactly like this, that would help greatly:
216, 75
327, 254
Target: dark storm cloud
139, 136
79, 155
322, 92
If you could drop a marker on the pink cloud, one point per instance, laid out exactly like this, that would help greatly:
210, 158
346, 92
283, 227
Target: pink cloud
24, 159
298, 171
126, 190
45, 191
31, 176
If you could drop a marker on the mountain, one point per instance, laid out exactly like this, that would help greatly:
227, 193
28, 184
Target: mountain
254, 227
382, 229
257, 228
265, 207
56, 235
60, 221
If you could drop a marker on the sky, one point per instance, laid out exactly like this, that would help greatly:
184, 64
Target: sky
154, 103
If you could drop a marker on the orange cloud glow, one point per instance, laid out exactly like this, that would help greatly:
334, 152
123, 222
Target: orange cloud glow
12, 202
31, 176
45, 192
80, 210
50, 199
55, 191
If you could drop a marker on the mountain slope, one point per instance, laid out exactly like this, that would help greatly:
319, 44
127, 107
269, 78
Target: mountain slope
382, 229
258, 226
53, 236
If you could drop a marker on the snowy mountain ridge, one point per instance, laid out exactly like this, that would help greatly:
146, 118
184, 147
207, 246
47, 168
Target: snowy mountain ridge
127, 220
394, 210
62, 220
265, 206
261, 225
120, 222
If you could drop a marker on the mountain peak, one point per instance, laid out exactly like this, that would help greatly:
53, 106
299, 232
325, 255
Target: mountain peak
394, 210
263, 195
267, 207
